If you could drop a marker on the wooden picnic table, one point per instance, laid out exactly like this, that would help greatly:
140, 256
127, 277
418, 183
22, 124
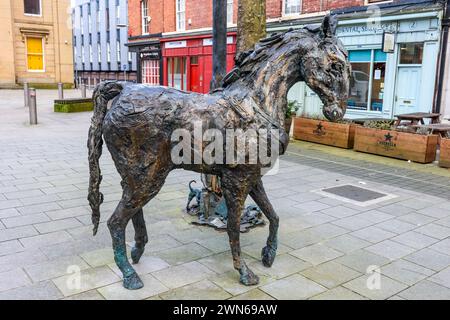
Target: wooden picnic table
442, 129
416, 118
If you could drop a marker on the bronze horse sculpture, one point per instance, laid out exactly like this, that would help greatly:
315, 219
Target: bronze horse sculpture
137, 129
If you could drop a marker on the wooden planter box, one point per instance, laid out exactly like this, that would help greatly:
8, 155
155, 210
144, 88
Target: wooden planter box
395, 144
445, 153
321, 131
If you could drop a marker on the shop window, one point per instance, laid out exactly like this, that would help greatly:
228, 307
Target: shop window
194, 60
32, 7
411, 53
177, 73
35, 54
150, 72
292, 7
367, 80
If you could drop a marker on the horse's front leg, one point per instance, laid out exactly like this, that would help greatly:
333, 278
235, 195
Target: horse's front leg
259, 195
235, 191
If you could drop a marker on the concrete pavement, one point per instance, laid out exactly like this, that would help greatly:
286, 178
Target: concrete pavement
329, 249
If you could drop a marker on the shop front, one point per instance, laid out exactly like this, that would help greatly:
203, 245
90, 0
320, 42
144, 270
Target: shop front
384, 84
187, 61
149, 61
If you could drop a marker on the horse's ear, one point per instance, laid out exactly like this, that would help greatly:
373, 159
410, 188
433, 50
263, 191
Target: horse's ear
329, 26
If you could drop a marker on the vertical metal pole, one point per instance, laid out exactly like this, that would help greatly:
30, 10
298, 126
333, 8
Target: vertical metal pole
26, 94
219, 43
83, 90
60, 91
32, 104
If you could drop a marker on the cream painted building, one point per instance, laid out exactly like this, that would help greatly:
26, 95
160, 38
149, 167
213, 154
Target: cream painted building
35, 42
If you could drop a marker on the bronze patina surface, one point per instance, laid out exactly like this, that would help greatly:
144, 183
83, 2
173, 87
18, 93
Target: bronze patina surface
139, 125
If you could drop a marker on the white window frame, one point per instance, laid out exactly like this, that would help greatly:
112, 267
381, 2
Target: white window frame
98, 19
144, 17
118, 49
368, 3
31, 14
43, 57
118, 15
180, 9
230, 11
291, 14
108, 53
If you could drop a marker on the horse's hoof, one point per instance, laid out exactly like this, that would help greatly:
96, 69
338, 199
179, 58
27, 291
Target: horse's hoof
136, 254
248, 278
268, 256
132, 282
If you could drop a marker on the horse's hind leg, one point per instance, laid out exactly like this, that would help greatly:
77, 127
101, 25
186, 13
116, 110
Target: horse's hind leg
117, 225
146, 187
259, 195
140, 238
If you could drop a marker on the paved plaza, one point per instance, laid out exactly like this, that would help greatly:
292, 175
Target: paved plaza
329, 249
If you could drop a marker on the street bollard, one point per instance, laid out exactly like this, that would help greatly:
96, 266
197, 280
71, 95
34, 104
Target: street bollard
32, 106
25, 93
83, 91
60, 91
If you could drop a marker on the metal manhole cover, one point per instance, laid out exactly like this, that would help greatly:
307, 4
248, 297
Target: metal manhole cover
355, 194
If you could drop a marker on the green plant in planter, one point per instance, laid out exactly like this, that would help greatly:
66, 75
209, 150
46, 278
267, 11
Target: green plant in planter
292, 109
390, 125
381, 124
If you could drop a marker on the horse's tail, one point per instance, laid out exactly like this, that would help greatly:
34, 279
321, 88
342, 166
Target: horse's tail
103, 93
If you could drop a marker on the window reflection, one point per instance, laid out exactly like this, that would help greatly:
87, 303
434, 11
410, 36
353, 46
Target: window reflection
367, 80
411, 53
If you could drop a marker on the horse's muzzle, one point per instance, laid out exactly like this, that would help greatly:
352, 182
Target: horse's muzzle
334, 112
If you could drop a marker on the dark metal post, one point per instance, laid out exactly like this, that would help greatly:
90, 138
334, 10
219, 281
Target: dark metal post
32, 106
219, 43
443, 57
26, 94
60, 91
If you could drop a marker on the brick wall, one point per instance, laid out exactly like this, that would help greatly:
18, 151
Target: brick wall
162, 12
199, 13
273, 8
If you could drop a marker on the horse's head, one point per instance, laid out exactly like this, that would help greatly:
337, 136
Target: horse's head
327, 71
310, 54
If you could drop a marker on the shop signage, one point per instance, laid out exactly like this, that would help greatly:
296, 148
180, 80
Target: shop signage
175, 44
209, 41
150, 55
388, 42
367, 29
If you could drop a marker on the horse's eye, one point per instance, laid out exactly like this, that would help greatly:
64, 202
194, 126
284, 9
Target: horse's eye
336, 66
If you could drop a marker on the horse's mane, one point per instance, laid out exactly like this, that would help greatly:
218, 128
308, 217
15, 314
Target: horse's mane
246, 61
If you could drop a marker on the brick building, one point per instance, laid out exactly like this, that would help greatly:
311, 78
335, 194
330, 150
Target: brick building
173, 42
36, 42
99, 36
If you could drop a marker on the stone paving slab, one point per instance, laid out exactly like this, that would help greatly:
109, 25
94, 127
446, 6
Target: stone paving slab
326, 250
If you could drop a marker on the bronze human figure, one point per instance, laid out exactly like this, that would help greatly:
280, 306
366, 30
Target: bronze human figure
138, 127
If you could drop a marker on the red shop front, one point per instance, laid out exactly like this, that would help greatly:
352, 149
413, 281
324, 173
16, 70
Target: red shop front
188, 61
